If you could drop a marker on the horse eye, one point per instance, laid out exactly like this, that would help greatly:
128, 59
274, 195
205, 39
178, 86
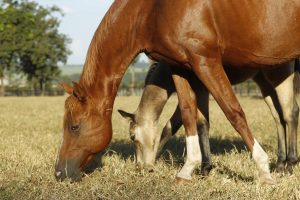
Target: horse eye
75, 128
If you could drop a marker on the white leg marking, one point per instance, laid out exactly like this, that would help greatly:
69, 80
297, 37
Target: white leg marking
261, 159
193, 157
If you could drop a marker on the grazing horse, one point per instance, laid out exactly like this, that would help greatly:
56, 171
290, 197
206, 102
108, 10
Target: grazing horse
199, 35
277, 90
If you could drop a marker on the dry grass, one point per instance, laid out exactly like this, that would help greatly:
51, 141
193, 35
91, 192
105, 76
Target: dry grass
30, 134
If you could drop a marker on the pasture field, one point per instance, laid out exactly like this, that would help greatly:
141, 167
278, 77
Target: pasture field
30, 130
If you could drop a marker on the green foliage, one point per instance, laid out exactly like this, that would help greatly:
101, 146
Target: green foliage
69, 78
30, 41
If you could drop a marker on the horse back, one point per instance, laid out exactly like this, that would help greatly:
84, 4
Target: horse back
242, 32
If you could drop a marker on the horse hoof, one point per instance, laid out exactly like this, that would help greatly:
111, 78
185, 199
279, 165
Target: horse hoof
280, 167
289, 168
181, 181
268, 181
206, 170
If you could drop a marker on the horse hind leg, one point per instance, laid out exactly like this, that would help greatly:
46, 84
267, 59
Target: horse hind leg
188, 108
212, 75
271, 99
290, 111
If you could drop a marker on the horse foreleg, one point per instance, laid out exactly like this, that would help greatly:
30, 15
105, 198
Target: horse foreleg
175, 123
210, 71
271, 99
188, 108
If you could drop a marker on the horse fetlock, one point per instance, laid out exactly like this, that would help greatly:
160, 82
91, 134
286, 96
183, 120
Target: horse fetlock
290, 168
266, 178
193, 157
292, 160
280, 166
205, 169
261, 159
188, 168
183, 176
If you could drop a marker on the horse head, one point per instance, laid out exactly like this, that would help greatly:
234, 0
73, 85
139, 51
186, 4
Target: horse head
84, 134
143, 133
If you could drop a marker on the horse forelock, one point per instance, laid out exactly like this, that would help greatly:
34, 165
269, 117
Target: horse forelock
72, 103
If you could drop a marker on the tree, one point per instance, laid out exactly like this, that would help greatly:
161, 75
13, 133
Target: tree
34, 46
8, 40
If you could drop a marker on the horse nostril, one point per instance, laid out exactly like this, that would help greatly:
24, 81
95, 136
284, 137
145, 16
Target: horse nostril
58, 174
132, 137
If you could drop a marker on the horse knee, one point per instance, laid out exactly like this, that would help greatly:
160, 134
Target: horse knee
189, 119
202, 127
237, 118
296, 111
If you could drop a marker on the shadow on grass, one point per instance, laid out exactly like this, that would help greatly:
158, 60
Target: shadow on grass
174, 150
174, 154
176, 146
224, 170
123, 148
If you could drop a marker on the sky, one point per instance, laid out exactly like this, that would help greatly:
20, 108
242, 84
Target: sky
80, 21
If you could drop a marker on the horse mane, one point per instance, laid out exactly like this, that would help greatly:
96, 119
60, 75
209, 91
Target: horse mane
94, 57
149, 74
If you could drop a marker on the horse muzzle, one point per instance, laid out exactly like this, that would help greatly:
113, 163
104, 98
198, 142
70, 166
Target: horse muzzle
68, 169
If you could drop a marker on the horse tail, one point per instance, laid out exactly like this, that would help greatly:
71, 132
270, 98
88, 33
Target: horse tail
297, 77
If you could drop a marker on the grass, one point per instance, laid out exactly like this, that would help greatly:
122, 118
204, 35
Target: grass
30, 130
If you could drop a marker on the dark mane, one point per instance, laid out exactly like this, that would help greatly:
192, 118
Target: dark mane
149, 74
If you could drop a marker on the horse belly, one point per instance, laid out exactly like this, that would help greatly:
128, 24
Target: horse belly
238, 75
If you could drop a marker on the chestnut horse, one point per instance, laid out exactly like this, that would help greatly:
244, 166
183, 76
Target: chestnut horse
200, 35
277, 90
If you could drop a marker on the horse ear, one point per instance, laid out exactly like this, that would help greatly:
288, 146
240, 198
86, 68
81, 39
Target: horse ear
79, 92
67, 88
126, 115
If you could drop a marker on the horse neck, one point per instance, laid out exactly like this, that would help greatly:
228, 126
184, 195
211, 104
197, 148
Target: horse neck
114, 45
151, 105
158, 88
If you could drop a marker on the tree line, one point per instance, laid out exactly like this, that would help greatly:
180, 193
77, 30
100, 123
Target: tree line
31, 46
